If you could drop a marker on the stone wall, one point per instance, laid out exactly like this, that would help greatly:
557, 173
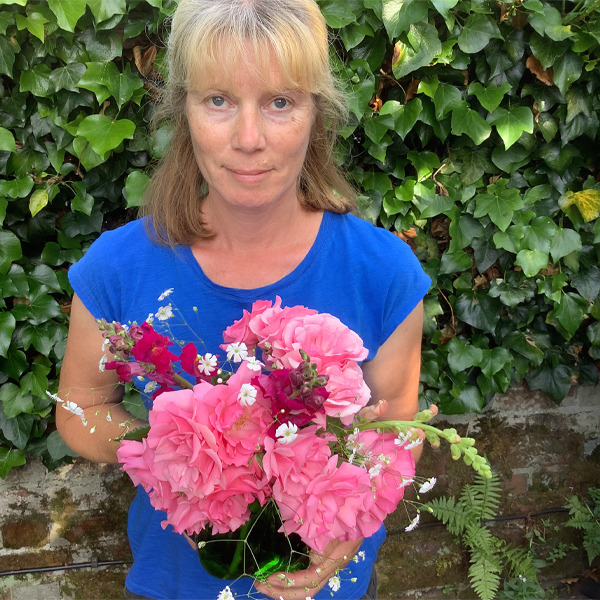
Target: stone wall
543, 453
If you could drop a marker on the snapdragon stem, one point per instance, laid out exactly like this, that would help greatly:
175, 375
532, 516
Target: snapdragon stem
239, 550
183, 383
399, 424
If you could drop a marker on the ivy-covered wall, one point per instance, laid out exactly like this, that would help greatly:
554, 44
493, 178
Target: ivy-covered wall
473, 135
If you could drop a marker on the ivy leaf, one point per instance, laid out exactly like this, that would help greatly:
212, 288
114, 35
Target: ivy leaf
34, 23
555, 382
83, 150
478, 310
587, 201
445, 99
539, 234
462, 356
37, 81
105, 9
455, 262
531, 261
546, 51
135, 187
10, 250
477, 32
7, 141
511, 295
96, 79
564, 242
398, 15
404, 115
499, 208
570, 311
426, 45
490, 96
444, 6
468, 121
587, 283
35, 381
494, 360
67, 78
123, 85
67, 12
548, 16
57, 447
370, 206
567, 70
511, 124
7, 56
517, 341
14, 402
468, 400
7, 326
18, 429
137, 434
9, 458
424, 162
38, 200
104, 134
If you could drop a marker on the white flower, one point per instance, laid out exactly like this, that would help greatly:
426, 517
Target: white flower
237, 351
150, 319
318, 570
427, 485
53, 397
150, 387
413, 444
362, 555
225, 594
334, 583
164, 313
353, 579
103, 362
207, 363
165, 294
73, 408
405, 482
108, 417
125, 327
253, 363
105, 344
413, 523
286, 433
523, 579
93, 429
140, 377
374, 471
247, 395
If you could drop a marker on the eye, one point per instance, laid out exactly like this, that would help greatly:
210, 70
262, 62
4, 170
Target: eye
280, 103
217, 101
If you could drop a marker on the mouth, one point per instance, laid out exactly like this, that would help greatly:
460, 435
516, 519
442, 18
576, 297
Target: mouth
249, 175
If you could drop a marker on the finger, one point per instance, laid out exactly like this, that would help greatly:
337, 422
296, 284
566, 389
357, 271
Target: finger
190, 541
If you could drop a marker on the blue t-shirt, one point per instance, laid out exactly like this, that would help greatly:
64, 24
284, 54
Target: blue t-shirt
365, 276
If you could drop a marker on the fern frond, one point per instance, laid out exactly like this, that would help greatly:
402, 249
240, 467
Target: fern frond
591, 542
484, 578
482, 543
451, 514
518, 561
580, 513
488, 493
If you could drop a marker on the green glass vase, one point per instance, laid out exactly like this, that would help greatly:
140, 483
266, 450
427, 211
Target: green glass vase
257, 549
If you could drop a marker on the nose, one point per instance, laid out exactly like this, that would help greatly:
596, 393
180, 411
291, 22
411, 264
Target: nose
249, 134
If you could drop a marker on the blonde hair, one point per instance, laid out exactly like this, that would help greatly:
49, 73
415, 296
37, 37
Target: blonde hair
210, 36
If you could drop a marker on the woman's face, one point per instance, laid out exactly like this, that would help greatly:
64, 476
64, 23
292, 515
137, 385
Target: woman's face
249, 141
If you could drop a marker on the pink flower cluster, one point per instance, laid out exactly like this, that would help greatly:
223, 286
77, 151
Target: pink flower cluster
282, 332
213, 450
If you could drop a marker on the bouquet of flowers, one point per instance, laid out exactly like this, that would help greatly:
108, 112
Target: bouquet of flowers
278, 435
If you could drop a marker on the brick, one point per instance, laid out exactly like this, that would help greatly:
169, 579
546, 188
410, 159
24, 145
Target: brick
25, 533
519, 484
45, 591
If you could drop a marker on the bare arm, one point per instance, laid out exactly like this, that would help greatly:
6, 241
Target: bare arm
393, 374
98, 394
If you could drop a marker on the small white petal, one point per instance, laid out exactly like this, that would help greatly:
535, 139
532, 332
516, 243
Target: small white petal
286, 433
165, 294
102, 363
334, 583
413, 523
427, 485
247, 395
164, 313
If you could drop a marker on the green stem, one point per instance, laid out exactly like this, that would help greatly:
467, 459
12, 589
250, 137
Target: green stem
399, 424
183, 383
239, 550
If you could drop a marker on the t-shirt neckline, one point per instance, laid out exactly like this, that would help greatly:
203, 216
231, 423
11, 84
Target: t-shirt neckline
272, 288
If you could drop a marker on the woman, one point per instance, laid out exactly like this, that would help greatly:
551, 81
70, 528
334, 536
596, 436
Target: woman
247, 205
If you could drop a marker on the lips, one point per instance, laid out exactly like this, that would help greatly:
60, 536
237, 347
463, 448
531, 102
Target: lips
249, 175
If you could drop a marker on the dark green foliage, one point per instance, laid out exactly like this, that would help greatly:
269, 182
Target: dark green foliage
473, 134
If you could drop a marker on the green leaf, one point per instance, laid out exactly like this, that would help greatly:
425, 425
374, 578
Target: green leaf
494, 360
67, 12
462, 356
455, 262
67, 78
511, 295
587, 283
424, 47
34, 23
466, 120
105, 134
519, 342
445, 99
7, 326
14, 402
137, 434
444, 6
82, 202
542, 19
105, 9
83, 150
468, 400
511, 124
370, 206
539, 234
96, 79
38, 200
45, 276
477, 32
7, 141
546, 51
478, 310
399, 15
35, 381
424, 162
123, 85
37, 81
564, 242
428, 86
18, 429
570, 312
567, 70
511, 159
500, 208
102, 45
9, 458
135, 187
404, 115
57, 447
531, 261
587, 201
7, 56
490, 96
10, 250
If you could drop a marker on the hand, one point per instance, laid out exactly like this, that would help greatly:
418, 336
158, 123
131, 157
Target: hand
305, 584
374, 411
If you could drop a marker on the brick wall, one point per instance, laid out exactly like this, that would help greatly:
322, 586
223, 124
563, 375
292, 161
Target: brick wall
543, 452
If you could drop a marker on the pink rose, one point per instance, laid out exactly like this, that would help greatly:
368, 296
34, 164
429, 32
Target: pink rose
348, 392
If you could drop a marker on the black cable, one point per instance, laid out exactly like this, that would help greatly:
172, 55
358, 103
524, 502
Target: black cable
95, 563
